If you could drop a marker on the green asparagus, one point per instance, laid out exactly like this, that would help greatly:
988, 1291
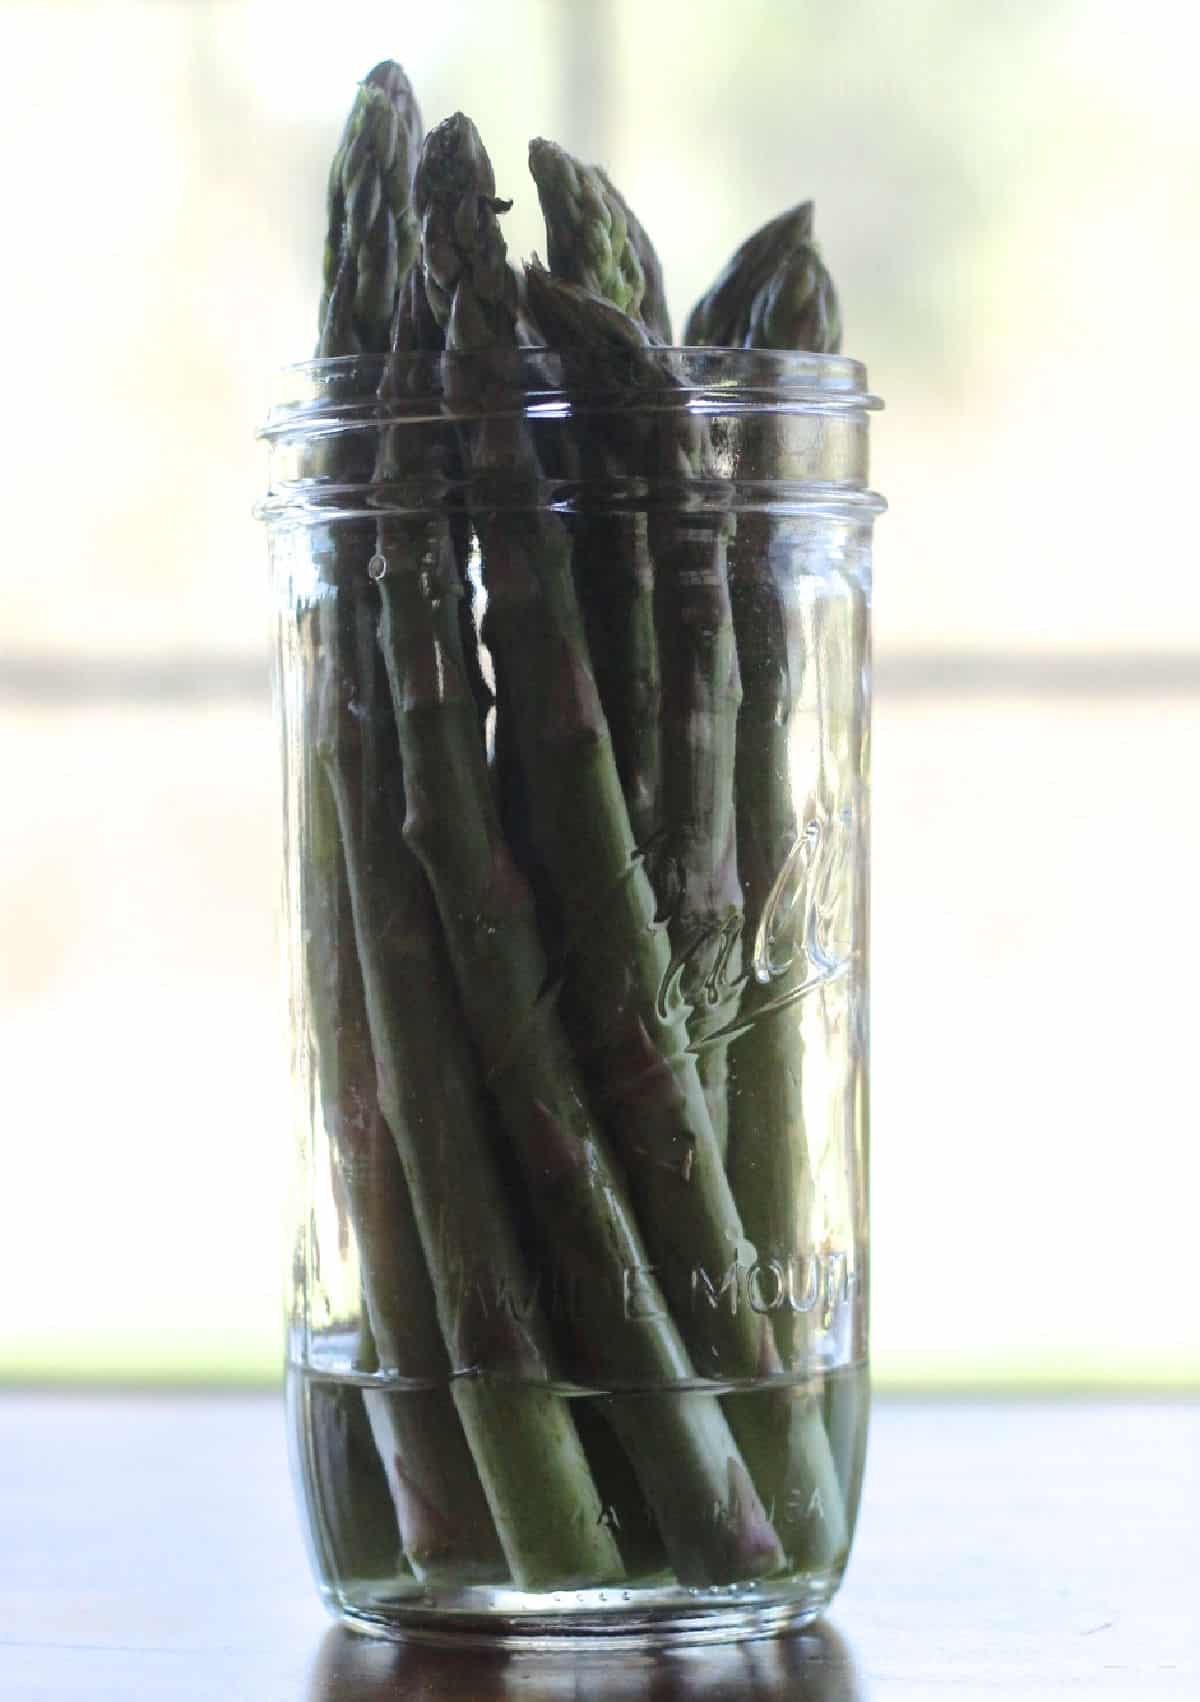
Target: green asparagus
520, 1436
654, 313
797, 308
595, 240
721, 317
702, 690
371, 240
533, 1471
695, 852
701, 832
713, 1523
444, 1523
621, 958
588, 239
768, 1163
545, 863
793, 306
596, 245
621, 962
443, 1520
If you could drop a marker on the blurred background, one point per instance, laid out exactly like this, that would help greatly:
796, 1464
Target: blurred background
1008, 196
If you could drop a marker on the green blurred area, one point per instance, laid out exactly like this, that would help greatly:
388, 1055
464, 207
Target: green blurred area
1007, 195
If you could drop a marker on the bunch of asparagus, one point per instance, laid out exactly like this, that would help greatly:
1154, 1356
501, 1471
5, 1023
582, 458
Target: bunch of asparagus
538, 852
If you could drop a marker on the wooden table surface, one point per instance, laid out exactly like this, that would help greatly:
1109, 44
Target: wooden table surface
149, 1549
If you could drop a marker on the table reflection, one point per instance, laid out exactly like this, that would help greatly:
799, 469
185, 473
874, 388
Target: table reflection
809, 1665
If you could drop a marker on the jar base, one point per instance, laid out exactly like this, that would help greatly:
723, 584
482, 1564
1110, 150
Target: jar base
583, 1620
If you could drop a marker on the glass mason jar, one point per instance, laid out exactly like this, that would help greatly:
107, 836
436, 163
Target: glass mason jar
572, 677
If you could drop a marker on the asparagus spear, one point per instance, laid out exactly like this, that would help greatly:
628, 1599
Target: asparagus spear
445, 1527
791, 1440
536, 1479
445, 1523
621, 958
712, 1522
595, 243
702, 690
415, 332
795, 303
538, 1486
797, 307
594, 239
443, 1517
721, 317
654, 313
696, 851
358, 1503
710, 1515
622, 962
604, 347
625, 1508
372, 239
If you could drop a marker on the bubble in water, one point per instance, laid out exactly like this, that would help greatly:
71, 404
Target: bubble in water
377, 566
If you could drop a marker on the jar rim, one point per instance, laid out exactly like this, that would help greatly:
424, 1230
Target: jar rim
333, 390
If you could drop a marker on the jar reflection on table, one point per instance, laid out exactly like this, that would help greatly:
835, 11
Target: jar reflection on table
813, 1664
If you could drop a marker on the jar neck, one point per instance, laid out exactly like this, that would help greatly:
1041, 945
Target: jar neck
699, 428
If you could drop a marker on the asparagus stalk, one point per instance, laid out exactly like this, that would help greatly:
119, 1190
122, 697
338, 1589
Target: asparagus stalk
712, 1519
702, 691
791, 1442
415, 332
621, 958
372, 238
714, 1526
696, 850
797, 307
768, 1164
615, 995
654, 313
778, 1202
774, 1189
596, 244
443, 1525
624, 1507
721, 317
443, 1517
538, 1486
533, 1471
622, 962
775, 287
593, 238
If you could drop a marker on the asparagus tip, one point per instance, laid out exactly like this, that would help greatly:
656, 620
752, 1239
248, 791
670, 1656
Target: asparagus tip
544, 154
453, 162
801, 220
371, 240
391, 78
